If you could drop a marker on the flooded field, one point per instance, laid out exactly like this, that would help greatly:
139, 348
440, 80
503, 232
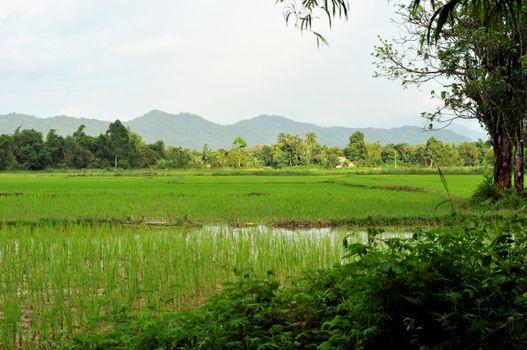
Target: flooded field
57, 280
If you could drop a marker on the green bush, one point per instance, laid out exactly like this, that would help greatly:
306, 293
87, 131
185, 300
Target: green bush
464, 288
486, 192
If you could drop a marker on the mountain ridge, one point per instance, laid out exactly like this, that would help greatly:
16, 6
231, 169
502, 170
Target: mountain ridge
193, 131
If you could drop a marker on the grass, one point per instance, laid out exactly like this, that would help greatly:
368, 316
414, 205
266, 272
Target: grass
187, 197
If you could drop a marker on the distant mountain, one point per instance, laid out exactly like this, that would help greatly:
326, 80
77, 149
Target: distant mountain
62, 124
184, 129
468, 132
192, 131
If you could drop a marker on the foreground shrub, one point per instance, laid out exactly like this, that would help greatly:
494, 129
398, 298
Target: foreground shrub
460, 289
487, 194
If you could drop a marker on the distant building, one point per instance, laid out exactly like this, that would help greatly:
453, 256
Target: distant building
345, 163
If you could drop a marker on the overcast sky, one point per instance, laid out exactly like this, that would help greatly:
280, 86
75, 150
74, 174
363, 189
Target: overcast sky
225, 60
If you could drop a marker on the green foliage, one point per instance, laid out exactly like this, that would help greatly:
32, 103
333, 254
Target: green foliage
291, 150
54, 145
486, 192
439, 153
307, 11
374, 153
119, 143
119, 147
7, 157
356, 150
483, 69
488, 12
239, 142
469, 153
29, 150
242, 317
447, 288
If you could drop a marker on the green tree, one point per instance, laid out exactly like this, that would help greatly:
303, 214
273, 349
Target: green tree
137, 147
234, 158
469, 154
404, 150
389, 155
101, 157
206, 154
149, 154
79, 149
120, 146
54, 146
374, 153
177, 157
312, 148
356, 150
29, 150
238, 158
331, 159
292, 148
419, 156
483, 148
440, 153
487, 17
75, 156
483, 74
220, 158
266, 155
158, 148
7, 156
256, 157
239, 142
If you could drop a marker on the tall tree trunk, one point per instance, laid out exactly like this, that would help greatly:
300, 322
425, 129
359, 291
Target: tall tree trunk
502, 145
115, 162
519, 167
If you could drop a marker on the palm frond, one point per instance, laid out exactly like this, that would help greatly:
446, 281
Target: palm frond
488, 11
304, 12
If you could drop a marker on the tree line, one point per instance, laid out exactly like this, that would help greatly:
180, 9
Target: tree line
119, 147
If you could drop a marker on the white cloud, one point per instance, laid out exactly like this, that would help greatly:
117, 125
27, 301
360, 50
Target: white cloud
152, 45
24, 8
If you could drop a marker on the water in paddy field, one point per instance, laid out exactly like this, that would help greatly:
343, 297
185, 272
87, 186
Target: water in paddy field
334, 234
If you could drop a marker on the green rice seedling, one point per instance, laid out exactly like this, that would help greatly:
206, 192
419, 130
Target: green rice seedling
230, 199
59, 280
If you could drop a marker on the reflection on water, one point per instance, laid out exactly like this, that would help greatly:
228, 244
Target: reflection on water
336, 234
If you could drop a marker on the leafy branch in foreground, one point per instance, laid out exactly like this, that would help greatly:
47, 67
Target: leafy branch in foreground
445, 186
488, 10
304, 13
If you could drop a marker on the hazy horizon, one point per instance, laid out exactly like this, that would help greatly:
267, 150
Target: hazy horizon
471, 127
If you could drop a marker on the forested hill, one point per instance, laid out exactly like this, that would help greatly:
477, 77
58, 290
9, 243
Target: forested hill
192, 131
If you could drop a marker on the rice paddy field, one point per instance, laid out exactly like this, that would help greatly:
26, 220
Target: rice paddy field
75, 248
232, 199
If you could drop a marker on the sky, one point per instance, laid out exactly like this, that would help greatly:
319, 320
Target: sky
225, 60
